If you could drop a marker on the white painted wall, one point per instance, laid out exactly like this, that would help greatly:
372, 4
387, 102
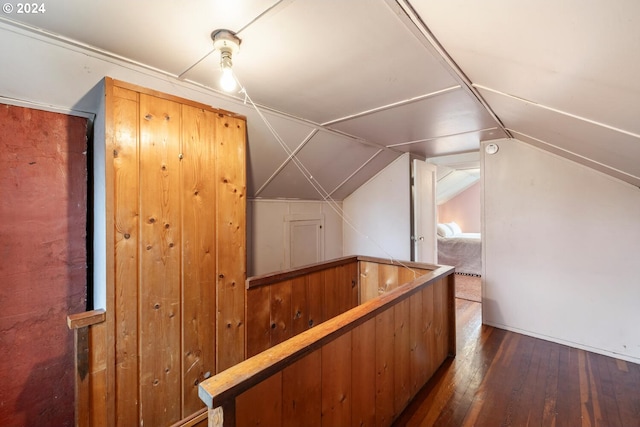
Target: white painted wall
378, 214
266, 231
561, 247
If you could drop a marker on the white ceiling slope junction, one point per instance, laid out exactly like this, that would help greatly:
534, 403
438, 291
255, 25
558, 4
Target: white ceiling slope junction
351, 85
560, 75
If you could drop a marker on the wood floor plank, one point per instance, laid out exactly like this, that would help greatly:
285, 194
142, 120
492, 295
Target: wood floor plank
625, 378
530, 405
604, 384
501, 378
498, 383
568, 402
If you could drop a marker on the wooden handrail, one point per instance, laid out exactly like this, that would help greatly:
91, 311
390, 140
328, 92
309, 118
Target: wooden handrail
408, 264
269, 278
223, 387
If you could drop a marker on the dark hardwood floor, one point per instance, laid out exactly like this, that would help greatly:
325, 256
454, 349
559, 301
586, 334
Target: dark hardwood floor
501, 378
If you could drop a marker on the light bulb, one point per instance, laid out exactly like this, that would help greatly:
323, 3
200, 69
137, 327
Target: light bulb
227, 81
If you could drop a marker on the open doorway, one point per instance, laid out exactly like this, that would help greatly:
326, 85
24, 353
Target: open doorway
458, 201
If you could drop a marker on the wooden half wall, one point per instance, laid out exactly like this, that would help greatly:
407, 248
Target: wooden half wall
284, 304
361, 367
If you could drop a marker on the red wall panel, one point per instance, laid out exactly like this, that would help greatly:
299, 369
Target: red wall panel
43, 210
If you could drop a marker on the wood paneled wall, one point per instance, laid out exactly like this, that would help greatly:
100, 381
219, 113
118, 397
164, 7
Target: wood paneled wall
365, 376
359, 368
282, 305
379, 278
176, 222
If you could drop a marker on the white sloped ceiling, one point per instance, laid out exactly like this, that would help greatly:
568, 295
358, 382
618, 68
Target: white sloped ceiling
348, 86
560, 75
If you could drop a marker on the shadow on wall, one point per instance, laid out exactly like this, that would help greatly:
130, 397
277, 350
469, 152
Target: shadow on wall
48, 396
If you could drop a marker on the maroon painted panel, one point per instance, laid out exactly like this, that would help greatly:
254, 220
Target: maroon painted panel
43, 208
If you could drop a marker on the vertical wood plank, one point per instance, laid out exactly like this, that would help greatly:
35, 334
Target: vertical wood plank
302, 392
281, 319
231, 239
258, 317
124, 149
430, 329
198, 197
355, 291
385, 368
440, 320
331, 307
336, 381
417, 338
402, 357
111, 286
82, 378
160, 262
368, 281
343, 289
99, 413
315, 292
348, 276
299, 305
354, 273
406, 275
387, 278
363, 374
261, 405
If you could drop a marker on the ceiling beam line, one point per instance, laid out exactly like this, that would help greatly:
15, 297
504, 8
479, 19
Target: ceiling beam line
286, 162
555, 110
392, 105
347, 179
417, 141
431, 42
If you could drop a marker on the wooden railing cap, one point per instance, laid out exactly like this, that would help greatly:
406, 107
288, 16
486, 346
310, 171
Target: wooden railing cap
86, 318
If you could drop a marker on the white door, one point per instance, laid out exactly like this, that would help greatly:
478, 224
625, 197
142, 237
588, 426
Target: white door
424, 212
304, 240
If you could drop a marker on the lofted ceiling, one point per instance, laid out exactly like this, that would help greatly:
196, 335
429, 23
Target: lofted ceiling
347, 86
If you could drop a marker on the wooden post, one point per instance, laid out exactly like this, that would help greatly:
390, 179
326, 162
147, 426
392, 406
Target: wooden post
80, 323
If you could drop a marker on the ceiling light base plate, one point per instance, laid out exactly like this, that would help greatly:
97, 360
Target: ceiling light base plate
226, 40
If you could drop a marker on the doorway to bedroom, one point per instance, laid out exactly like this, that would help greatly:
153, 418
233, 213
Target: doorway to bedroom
458, 201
